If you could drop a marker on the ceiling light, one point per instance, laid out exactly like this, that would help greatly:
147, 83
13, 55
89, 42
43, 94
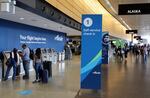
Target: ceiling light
45, 25
109, 5
33, 20
21, 18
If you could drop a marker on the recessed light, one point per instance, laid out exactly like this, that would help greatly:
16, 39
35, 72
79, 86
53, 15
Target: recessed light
45, 25
33, 19
21, 18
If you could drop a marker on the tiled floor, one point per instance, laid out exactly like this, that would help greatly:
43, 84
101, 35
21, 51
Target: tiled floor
120, 79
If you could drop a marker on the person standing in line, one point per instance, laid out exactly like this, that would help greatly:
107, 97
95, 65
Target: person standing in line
12, 62
38, 65
26, 60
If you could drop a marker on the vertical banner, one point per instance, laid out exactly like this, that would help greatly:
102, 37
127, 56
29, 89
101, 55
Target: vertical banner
105, 47
91, 57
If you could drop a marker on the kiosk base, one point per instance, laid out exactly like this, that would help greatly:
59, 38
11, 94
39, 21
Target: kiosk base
82, 93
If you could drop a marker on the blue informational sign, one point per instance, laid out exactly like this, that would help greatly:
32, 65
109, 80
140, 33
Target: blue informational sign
105, 47
13, 35
91, 57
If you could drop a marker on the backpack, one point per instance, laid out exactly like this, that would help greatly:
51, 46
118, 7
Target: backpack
31, 54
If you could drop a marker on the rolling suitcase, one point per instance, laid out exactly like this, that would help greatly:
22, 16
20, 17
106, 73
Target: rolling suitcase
48, 66
45, 76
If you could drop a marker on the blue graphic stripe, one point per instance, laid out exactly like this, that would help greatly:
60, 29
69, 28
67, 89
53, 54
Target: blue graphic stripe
94, 62
84, 75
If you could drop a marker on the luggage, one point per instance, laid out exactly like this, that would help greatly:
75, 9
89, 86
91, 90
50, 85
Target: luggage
45, 76
47, 65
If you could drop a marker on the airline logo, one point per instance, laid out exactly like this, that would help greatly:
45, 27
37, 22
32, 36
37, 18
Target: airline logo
96, 73
59, 38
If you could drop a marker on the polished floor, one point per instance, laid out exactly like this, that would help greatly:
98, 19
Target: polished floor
64, 84
123, 79
120, 79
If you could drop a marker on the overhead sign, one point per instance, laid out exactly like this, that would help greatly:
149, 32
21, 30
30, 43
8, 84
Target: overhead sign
134, 9
137, 37
34, 37
91, 57
131, 31
29, 39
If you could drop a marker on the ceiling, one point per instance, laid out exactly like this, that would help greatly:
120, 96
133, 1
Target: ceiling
29, 18
76, 8
140, 22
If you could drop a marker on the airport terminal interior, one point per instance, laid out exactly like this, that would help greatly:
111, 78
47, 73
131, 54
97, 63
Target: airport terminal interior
74, 49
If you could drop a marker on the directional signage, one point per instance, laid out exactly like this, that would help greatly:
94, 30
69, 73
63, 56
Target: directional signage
91, 57
137, 37
134, 9
131, 31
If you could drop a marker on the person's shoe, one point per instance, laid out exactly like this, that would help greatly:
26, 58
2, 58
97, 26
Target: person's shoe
25, 77
39, 80
35, 81
5, 79
18, 77
14, 79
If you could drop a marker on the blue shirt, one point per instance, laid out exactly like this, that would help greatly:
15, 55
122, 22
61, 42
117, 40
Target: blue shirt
26, 54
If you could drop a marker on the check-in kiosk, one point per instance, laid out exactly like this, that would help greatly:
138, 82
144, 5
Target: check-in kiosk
55, 58
47, 64
52, 55
59, 56
63, 55
49, 53
3, 67
45, 55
